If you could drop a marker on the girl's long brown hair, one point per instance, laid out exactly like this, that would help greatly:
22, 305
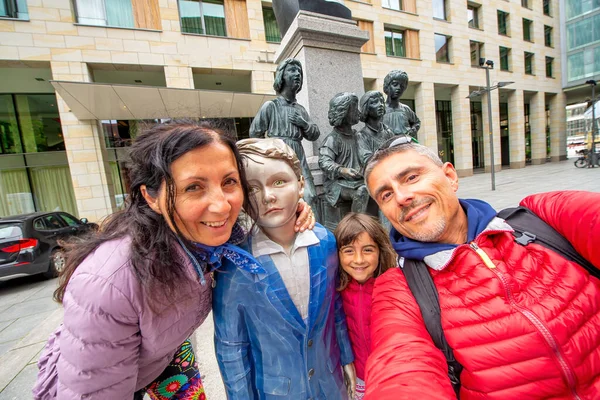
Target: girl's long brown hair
352, 225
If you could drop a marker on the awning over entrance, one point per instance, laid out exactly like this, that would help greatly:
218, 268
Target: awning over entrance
112, 101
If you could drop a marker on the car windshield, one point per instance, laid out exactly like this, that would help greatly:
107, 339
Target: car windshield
10, 231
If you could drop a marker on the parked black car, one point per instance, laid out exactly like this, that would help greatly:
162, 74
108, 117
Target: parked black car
29, 242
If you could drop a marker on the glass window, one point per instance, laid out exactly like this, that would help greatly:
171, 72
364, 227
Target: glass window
10, 142
525, 3
549, 71
502, 22
271, 29
529, 63
202, 17
394, 43
527, 30
53, 189
548, 35
442, 51
15, 193
393, 4
504, 58
575, 8
473, 16
546, 6
14, 9
52, 222
439, 9
39, 122
575, 66
476, 52
583, 32
105, 13
69, 219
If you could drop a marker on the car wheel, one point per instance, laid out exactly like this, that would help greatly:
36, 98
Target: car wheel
57, 264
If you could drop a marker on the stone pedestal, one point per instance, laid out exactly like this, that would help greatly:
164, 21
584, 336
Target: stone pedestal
329, 50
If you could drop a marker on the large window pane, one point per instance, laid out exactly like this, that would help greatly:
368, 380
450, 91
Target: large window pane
529, 63
527, 35
439, 9
53, 189
15, 194
548, 35
10, 142
191, 18
119, 13
14, 9
442, 53
502, 23
504, 58
393, 4
473, 16
214, 18
271, 29
575, 66
394, 43
549, 67
40, 122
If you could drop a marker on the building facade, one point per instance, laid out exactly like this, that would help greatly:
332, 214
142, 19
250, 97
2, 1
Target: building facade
118, 64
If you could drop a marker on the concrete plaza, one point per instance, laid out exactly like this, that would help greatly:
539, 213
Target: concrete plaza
28, 314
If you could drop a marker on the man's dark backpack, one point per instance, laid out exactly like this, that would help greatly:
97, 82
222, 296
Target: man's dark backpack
528, 228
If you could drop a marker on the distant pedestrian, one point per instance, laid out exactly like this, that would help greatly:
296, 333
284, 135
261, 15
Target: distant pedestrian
135, 291
365, 252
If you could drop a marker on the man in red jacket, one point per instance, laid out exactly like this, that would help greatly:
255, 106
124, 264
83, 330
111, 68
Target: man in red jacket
522, 321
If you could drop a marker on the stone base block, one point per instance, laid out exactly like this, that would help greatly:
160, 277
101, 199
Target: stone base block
497, 168
517, 164
562, 157
538, 161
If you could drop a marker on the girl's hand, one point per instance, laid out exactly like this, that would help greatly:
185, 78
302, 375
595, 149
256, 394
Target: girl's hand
350, 379
306, 218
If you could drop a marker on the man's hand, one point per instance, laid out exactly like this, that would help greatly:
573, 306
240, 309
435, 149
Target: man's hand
350, 379
350, 173
306, 218
296, 119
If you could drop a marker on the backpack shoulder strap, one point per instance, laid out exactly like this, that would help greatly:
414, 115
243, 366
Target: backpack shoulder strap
531, 228
425, 293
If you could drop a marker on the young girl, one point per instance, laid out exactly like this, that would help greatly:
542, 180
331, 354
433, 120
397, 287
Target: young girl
365, 252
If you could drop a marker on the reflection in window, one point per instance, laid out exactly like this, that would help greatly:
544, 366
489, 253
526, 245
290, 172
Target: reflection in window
546, 6
105, 13
504, 58
394, 43
473, 16
549, 67
442, 51
392, 4
548, 35
502, 22
579, 7
528, 63
202, 17
39, 122
10, 142
527, 29
439, 9
14, 9
476, 52
36, 117
271, 29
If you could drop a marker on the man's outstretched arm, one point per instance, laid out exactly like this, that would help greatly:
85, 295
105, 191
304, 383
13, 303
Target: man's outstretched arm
575, 215
404, 363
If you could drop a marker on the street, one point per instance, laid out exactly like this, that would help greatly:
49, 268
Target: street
28, 314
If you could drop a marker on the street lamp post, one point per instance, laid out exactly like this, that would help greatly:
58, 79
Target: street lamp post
487, 65
594, 127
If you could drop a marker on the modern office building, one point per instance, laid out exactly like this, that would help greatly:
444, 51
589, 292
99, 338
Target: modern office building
580, 44
78, 79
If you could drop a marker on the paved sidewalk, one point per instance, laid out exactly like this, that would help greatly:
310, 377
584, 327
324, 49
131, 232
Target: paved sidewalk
28, 315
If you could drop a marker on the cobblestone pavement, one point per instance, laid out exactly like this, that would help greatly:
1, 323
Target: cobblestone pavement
28, 314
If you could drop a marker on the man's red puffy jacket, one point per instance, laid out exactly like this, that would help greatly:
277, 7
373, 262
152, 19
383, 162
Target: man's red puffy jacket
357, 306
523, 321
